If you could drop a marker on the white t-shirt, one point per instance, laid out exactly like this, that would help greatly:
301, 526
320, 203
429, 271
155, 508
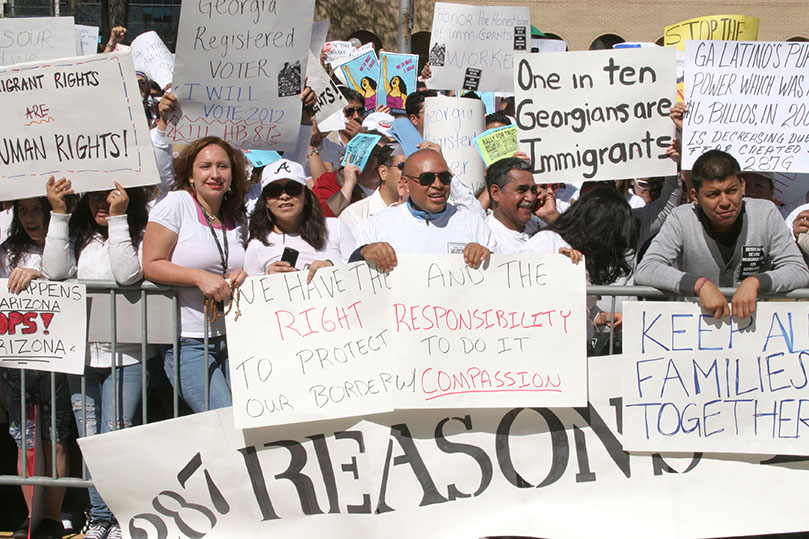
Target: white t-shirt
408, 234
338, 248
363, 209
196, 248
30, 259
510, 241
5, 224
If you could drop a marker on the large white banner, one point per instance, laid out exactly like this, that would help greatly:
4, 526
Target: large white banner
692, 383
150, 55
308, 351
747, 98
453, 123
44, 327
474, 47
239, 72
596, 115
31, 39
538, 472
80, 118
511, 333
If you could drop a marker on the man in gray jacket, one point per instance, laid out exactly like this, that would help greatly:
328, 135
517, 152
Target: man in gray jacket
723, 240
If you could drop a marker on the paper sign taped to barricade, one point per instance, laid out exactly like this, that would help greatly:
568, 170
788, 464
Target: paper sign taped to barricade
473, 47
150, 55
596, 115
239, 72
51, 116
437, 474
87, 39
747, 98
453, 123
307, 352
397, 78
692, 383
510, 333
713, 27
44, 327
497, 143
32, 39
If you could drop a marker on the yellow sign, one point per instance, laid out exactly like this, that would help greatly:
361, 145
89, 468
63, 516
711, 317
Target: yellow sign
714, 27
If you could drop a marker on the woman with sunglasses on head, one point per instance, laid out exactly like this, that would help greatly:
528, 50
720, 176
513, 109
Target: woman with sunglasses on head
195, 238
100, 240
288, 222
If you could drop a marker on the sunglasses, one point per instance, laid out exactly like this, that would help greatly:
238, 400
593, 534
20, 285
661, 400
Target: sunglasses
428, 178
275, 189
350, 111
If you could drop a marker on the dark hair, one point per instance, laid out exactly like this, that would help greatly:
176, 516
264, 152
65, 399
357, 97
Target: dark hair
18, 240
384, 155
371, 81
351, 94
233, 203
603, 227
402, 85
83, 225
416, 100
497, 116
472, 95
313, 226
154, 86
713, 165
497, 173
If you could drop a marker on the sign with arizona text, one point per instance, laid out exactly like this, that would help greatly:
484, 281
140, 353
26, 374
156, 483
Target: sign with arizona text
596, 115
52, 116
536, 472
748, 98
239, 72
694, 383
44, 327
510, 333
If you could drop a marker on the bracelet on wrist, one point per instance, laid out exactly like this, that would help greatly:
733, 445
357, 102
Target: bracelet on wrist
700, 283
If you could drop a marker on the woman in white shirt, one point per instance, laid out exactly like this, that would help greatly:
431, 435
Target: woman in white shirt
287, 217
100, 240
195, 239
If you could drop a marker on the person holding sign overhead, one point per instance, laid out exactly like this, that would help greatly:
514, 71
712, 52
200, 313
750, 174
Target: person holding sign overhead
426, 223
722, 239
195, 237
287, 229
100, 240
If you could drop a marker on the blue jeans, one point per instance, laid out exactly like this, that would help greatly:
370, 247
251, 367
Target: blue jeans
191, 373
99, 404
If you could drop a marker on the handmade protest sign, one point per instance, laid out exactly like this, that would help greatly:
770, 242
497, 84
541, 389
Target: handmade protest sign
329, 98
548, 45
150, 55
397, 78
473, 47
692, 383
51, 116
361, 74
747, 98
30, 39
497, 143
87, 39
337, 50
512, 332
239, 72
453, 123
317, 40
311, 351
359, 148
596, 115
44, 327
713, 27
433, 473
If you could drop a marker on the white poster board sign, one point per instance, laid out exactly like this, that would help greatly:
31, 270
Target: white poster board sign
307, 352
596, 115
52, 125
473, 47
329, 98
540, 472
239, 72
548, 45
44, 327
747, 98
87, 39
453, 123
510, 333
692, 383
150, 55
31, 39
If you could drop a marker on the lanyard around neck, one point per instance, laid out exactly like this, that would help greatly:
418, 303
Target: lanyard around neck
224, 254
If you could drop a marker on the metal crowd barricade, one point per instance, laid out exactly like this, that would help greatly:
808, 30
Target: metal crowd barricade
112, 322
